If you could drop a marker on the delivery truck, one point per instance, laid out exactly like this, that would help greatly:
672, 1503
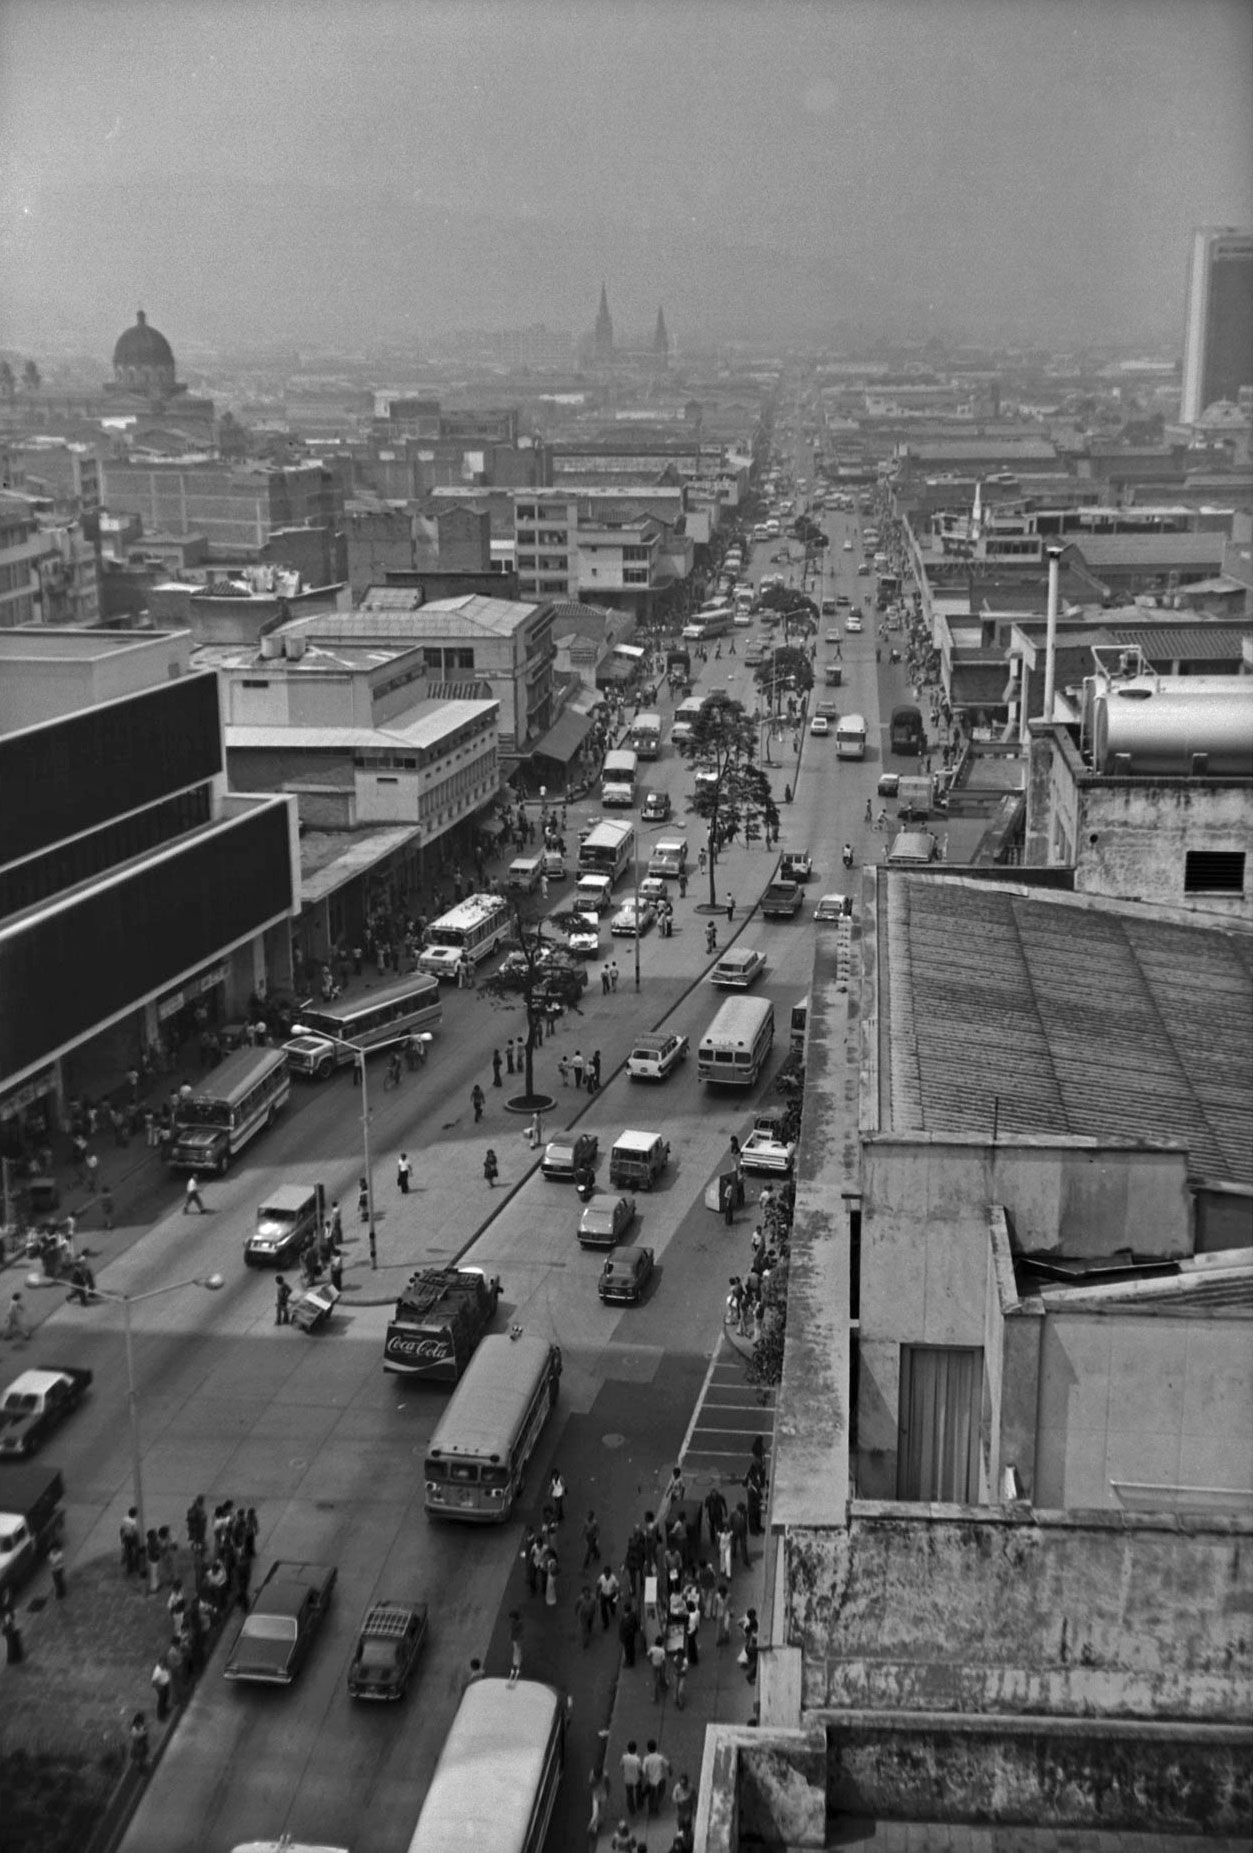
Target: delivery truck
441, 1315
31, 1520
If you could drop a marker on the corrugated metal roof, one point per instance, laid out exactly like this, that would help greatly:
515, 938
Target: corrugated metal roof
1209, 642
1148, 549
1055, 1017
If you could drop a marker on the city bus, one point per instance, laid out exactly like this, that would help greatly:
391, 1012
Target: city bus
906, 733
850, 737
485, 1437
380, 1020
737, 1044
498, 1773
216, 1119
607, 850
710, 622
617, 777
685, 717
471, 930
645, 735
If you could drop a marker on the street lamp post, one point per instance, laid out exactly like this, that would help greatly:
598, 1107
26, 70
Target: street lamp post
359, 1054
212, 1283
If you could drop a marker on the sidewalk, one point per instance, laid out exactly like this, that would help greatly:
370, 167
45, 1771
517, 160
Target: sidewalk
717, 1690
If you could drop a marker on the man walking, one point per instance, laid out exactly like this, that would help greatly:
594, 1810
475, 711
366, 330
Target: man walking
656, 1769
607, 1597
477, 1101
15, 1325
403, 1172
632, 1777
576, 1067
282, 1301
192, 1195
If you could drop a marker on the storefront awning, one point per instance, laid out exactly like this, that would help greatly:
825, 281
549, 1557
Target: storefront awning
563, 740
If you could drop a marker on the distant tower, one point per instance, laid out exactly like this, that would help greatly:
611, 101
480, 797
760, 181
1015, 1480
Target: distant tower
1218, 335
661, 342
603, 338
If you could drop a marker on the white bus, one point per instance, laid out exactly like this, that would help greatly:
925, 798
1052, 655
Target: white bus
379, 1020
685, 717
498, 1773
471, 930
617, 777
215, 1120
645, 735
712, 621
487, 1434
850, 736
737, 1044
609, 850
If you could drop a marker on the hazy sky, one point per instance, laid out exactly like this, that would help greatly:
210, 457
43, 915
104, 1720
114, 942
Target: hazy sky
345, 172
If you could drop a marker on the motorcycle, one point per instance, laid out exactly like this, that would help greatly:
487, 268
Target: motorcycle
847, 857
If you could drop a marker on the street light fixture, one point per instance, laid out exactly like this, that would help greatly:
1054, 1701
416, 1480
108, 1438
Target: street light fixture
342, 1042
212, 1283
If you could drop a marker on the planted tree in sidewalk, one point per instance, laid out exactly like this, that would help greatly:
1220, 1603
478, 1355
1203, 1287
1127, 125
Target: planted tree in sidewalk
732, 792
539, 973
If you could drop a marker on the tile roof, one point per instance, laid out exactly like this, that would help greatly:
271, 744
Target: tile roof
1147, 549
1160, 643
1058, 1016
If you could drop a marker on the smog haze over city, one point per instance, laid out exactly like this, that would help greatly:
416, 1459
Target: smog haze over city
349, 175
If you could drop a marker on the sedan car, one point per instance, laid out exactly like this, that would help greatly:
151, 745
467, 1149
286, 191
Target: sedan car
820, 725
392, 1637
278, 1630
830, 710
738, 968
653, 888
37, 1402
625, 1276
583, 937
843, 602
834, 907
654, 1057
633, 918
605, 1220
833, 636
863, 571
848, 546
765, 1153
852, 624
657, 807
569, 1153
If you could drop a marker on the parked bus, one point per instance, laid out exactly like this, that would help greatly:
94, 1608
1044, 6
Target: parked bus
617, 778
497, 1777
906, 733
745, 598
645, 735
850, 737
487, 1434
216, 1119
385, 1018
609, 850
471, 930
737, 1044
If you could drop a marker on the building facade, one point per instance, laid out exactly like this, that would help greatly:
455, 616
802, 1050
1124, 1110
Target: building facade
1218, 322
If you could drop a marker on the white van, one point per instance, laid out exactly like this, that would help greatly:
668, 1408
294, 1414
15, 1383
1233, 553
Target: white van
523, 874
554, 865
669, 857
593, 894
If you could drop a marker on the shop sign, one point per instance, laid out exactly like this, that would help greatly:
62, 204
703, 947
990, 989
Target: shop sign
195, 987
23, 1097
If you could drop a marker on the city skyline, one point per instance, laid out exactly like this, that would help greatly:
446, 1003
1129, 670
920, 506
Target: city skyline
354, 175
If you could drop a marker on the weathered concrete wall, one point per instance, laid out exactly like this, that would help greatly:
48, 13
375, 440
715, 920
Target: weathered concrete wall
1147, 1399
1135, 835
928, 1270
1062, 1773
1020, 1611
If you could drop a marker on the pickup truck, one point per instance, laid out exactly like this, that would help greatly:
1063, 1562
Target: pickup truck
781, 901
30, 1519
35, 1403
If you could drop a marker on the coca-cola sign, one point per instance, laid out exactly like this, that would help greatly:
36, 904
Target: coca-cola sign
418, 1352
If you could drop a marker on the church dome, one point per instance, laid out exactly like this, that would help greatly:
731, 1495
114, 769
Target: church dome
143, 359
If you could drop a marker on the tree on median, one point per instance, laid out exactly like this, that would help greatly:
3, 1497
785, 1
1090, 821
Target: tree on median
732, 791
537, 971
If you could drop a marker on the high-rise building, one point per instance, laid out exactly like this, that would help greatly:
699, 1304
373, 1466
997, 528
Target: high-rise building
602, 340
1218, 329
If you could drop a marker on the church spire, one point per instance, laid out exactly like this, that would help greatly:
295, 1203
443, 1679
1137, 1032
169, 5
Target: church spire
604, 327
661, 340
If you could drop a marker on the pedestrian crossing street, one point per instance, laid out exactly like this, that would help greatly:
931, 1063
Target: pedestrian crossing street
730, 1414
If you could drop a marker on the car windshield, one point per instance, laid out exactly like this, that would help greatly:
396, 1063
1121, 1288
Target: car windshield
269, 1628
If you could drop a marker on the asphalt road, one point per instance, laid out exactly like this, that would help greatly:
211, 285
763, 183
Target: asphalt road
311, 1431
